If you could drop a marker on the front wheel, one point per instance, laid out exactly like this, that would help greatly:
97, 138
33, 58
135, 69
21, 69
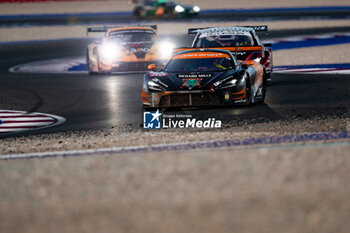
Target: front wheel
92, 73
90, 65
100, 69
248, 93
90, 69
137, 14
262, 92
268, 79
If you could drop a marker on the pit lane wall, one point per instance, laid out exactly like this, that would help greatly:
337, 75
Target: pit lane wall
13, 7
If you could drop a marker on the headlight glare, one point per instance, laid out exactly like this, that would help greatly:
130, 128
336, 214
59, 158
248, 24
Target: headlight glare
227, 82
196, 9
233, 81
179, 9
166, 49
217, 83
110, 51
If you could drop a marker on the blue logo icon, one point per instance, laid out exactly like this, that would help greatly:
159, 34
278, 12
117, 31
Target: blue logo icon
151, 120
1, 122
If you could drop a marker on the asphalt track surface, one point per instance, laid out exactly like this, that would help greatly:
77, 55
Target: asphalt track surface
97, 102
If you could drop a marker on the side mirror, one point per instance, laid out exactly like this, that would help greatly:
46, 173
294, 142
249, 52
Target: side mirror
245, 63
151, 67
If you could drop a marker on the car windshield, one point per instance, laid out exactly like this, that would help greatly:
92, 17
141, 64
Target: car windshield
199, 65
132, 37
224, 41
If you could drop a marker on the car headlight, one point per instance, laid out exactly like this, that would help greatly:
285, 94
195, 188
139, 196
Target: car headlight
154, 86
179, 9
217, 83
166, 50
233, 82
196, 9
226, 83
110, 51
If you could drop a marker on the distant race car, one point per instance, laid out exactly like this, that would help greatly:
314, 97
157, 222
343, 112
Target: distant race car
129, 48
163, 9
241, 40
204, 77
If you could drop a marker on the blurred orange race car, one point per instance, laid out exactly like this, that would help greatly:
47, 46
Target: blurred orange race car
126, 48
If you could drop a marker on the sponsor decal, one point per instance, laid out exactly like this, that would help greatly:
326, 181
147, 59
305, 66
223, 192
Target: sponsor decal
227, 96
118, 32
190, 83
157, 120
137, 45
157, 74
225, 31
200, 55
259, 28
196, 76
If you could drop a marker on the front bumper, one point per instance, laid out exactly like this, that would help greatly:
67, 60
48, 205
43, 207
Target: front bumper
128, 66
193, 98
131, 66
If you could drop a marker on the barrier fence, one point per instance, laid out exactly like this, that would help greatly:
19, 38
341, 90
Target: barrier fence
29, 1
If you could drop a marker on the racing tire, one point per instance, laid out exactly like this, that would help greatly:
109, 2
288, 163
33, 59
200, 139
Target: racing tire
169, 14
248, 93
100, 71
263, 92
98, 65
88, 65
268, 79
93, 73
90, 71
137, 13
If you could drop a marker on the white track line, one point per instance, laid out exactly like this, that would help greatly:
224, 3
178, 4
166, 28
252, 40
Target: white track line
292, 140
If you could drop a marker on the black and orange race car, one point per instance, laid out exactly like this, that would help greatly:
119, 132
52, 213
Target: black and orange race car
126, 48
242, 40
204, 77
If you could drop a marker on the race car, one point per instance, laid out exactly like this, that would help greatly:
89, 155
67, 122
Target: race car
126, 48
163, 9
241, 40
204, 77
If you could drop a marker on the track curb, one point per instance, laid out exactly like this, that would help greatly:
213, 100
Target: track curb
234, 143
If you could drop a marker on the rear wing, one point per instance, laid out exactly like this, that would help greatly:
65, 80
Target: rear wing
106, 28
231, 49
262, 28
